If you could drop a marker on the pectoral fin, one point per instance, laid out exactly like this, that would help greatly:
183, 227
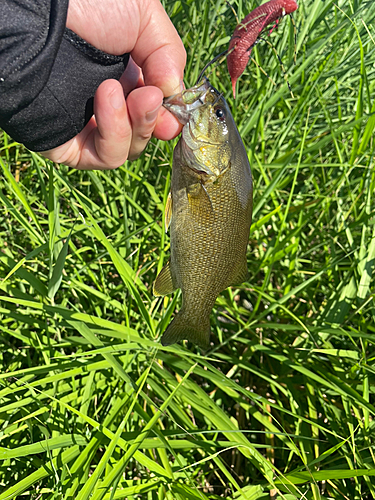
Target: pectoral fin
168, 212
200, 203
163, 285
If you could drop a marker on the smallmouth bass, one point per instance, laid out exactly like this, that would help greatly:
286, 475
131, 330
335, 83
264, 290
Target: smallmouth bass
209, 210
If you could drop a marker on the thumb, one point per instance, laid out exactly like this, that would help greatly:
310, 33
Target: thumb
159, 50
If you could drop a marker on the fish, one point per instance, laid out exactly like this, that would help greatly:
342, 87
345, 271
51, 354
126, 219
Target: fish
209, 211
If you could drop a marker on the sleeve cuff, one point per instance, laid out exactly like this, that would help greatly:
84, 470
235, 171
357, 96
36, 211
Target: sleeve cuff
65, 104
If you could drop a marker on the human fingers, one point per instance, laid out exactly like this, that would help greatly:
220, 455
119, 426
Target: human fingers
105, 141
159, 50
112, 138
139, 27
132, 77
167, 126
143, 104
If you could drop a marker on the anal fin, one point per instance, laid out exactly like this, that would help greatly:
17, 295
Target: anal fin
163, 285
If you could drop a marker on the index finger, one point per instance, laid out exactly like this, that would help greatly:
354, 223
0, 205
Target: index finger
159, 50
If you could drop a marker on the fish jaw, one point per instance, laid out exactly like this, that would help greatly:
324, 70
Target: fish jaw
183, 104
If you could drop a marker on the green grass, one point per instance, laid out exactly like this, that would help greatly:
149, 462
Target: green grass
282, 405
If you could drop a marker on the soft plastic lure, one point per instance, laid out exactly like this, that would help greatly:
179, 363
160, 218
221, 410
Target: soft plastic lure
246, 34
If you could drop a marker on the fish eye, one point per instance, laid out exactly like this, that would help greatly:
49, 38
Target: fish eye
220, 113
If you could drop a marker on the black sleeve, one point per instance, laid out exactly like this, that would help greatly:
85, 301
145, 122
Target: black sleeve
48, 74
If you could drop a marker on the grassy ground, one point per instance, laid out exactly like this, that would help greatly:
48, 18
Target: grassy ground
282, 405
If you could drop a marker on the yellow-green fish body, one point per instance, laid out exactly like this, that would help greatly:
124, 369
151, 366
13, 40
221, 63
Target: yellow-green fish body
211, 205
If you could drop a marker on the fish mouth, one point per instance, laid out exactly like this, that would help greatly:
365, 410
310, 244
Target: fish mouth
182, 105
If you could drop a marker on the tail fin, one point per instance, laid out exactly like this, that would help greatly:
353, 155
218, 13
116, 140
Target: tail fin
182, 328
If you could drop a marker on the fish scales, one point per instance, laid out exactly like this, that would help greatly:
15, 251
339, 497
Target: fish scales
211, 193
209, 248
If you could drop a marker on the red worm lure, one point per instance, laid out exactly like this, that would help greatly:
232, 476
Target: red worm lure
245, 35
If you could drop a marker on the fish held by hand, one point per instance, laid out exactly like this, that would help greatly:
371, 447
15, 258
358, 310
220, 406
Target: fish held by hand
209, 211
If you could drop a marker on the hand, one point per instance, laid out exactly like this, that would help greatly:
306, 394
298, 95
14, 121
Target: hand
129, 112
